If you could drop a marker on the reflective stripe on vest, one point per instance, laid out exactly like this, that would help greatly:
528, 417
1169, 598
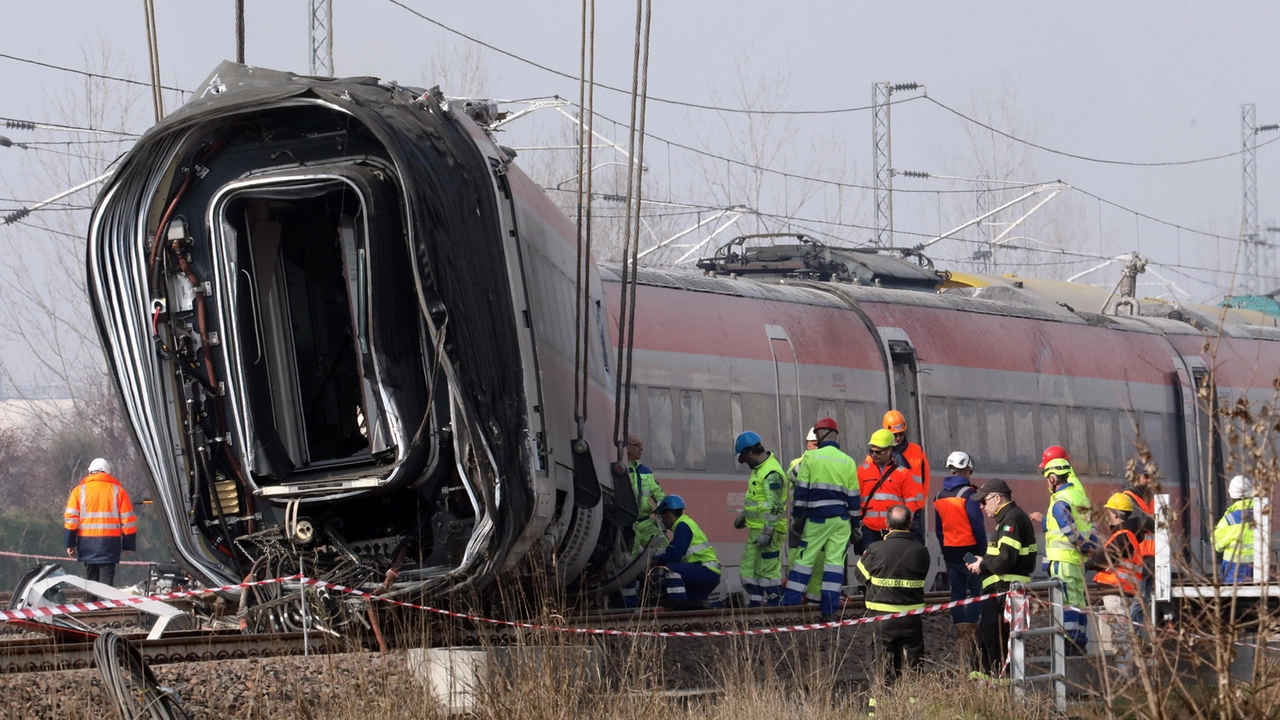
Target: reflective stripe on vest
886, 607
1234, 539
897, 483
1057, 545
758, 505
1127, 573
957, 530
700, 550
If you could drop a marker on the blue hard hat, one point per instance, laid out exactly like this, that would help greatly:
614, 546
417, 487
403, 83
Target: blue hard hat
745, 440
671, 502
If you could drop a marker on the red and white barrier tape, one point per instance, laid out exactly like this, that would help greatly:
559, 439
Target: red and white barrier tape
64, 558
75, 608
650, 633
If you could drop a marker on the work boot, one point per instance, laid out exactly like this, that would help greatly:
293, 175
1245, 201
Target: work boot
966, 645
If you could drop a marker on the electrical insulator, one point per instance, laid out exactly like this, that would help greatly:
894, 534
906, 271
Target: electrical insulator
900, 87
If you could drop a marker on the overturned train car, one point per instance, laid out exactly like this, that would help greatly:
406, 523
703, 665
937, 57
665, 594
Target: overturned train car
336, 315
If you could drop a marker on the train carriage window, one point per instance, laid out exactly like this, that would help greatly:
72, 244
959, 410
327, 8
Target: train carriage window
658, 450
1153, 433
1104, 442
997, 434
854, 431
1024, 453
693, 430
826, 409
1078, 439
760, 413
968, 435
937, 423
1051, 426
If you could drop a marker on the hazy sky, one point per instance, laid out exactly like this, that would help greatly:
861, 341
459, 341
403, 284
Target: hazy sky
1136, 81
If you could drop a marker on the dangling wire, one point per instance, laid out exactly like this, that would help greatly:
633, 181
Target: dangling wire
631, 236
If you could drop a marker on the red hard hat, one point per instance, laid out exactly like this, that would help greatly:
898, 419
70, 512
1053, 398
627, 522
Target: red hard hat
1054, 452
826, 424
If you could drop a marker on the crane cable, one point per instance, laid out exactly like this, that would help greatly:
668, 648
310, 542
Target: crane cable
153, 57
586, 99
631, 236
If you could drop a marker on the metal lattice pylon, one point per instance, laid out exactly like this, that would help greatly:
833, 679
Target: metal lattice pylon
321, 26
1249, 234
883, 152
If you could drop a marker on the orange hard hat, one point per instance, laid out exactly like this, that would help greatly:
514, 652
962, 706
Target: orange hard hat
1054, 452
826, 424
894, 422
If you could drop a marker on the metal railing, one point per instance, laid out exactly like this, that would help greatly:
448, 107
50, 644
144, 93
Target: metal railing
1019, 603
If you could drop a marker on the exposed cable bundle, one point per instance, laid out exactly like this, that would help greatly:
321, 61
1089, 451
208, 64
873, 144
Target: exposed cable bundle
131, 684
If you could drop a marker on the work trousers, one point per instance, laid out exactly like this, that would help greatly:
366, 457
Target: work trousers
812, 591
1076, 623
761, 569
1116, 631
898, 642
824, 542
964, 584
104, 573
689, 582
993, 632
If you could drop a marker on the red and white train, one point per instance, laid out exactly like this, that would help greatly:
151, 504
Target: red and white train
343, 326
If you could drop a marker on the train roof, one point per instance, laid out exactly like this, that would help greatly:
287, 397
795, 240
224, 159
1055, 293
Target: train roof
1007, 295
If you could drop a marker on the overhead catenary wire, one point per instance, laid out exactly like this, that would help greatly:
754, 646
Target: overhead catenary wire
1086, 158
86, 73
612, 88
19, 124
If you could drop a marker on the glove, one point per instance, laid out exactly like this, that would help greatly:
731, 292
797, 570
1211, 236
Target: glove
855, 534
795, 532
766, 537
740, 521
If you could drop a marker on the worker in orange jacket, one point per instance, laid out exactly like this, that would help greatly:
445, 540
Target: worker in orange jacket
883, 484
100, 523
907, 454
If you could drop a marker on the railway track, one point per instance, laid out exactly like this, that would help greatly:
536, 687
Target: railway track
22, 655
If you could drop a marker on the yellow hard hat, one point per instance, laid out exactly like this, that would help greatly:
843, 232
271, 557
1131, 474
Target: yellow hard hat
1120, 502
882, 439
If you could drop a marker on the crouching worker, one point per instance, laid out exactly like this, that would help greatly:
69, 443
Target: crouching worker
691, 569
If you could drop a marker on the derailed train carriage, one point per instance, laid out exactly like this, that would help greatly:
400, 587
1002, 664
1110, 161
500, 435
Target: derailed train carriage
332, 309
343, 325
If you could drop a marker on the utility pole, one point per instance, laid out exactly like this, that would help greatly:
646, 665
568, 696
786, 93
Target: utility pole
1259, 261
321, 23
882, 151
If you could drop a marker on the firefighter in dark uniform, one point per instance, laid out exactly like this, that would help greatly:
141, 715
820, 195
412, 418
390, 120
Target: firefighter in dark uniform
895, 570
1010, 556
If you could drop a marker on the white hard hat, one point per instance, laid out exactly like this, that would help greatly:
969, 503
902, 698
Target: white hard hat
1240, 487
812, 436
959, 460
100, 465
